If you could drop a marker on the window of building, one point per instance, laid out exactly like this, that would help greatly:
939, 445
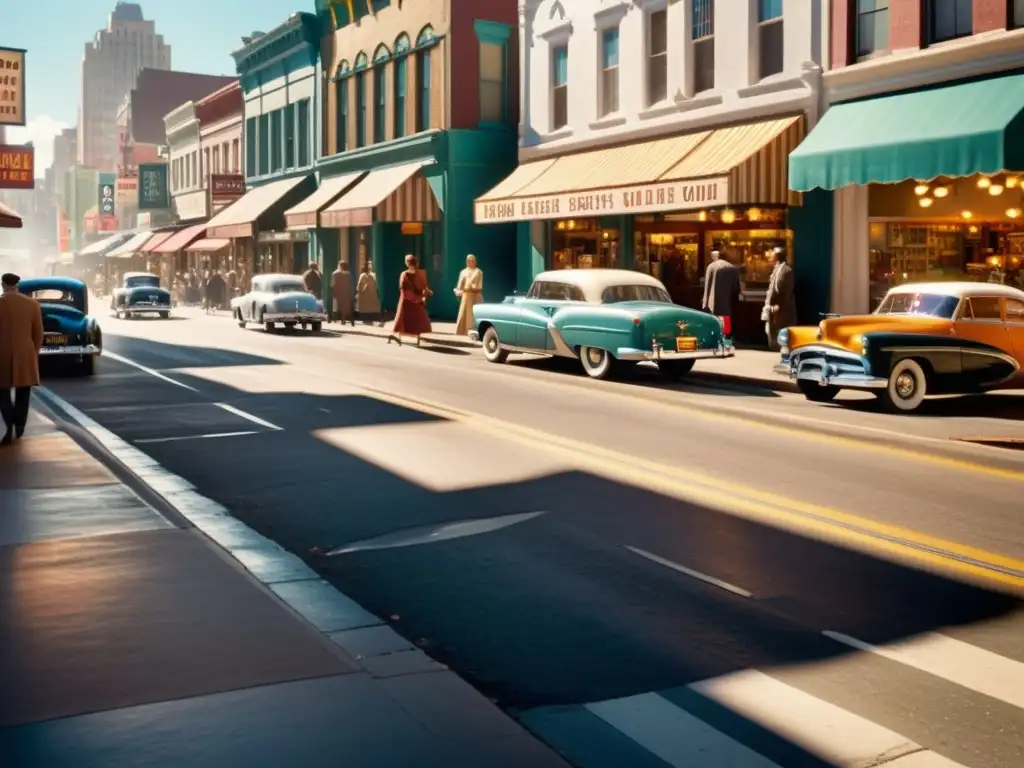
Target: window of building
559, 86
583, 244
423, 91
380, 103
263, 142
609, 71
304, 138
703, 34
275, 141
949, 19
492, 82
195, 168
216, 160
234, 156
341, 127
361, 109
872, 30
769, 22
204, 172
289, 136
399, 86
657, 57
1017, 13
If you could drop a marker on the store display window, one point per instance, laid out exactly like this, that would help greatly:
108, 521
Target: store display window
583, 244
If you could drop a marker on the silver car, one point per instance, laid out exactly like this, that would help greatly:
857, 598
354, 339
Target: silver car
279, 299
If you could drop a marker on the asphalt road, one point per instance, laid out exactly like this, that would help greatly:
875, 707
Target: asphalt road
625, 564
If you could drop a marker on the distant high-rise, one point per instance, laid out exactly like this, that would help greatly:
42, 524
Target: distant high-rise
110, 68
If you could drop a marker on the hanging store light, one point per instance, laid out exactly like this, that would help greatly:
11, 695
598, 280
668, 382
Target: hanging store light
1012, 182
941, 192
1013, 213
925, 202
702, 216
967, 215
995, 189
728, 217
921, 189
984, 182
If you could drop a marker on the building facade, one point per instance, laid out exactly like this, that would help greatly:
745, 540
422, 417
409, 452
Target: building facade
419, 112
655, 132
188, 191
922, 144
110, 66
277, 74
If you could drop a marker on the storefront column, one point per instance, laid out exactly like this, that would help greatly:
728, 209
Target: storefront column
850, 251
329, 255
531, 247
811, 224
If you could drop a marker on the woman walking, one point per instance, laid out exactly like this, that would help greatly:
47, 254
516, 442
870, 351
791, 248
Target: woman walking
413, 292
469, 290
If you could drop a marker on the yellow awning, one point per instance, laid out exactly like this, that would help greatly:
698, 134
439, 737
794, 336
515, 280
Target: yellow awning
744, 164
241, 217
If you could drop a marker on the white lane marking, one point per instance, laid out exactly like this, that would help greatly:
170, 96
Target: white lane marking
249, 416
957, 662
144, 369
690, 572
180, 438
838, 737
674, 735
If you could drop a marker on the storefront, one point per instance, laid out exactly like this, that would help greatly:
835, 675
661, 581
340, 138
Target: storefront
661, 207
928, 186
126, 258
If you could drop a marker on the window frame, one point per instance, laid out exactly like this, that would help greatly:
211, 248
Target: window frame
501, 82
769, 14
858, 15
288, 134
557, 89
423, 90
702, 38
303, 109
1015, 15
360, 78
609, 73
400, 84
929, 22
650, 58
380, 103
341, 136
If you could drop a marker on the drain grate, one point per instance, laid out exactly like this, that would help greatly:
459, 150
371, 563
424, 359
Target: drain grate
1013, 443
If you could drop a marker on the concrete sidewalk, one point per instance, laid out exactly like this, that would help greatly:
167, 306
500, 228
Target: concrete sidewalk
180, 637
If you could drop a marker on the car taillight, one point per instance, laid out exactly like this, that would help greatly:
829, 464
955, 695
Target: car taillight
636, 321
727, 325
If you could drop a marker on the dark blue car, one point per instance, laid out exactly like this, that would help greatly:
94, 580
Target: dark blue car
69, 332
141, 294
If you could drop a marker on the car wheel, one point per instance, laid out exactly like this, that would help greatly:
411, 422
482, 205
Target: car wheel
239, 318
88, 365
906, 389
598, 363
267, 326
817, 393
316, 327
493, 351
673, 370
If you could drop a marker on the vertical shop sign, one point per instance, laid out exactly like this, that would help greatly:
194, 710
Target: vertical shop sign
12, 86
153, 192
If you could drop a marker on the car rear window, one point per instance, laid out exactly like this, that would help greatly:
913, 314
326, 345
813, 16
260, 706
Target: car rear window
142, 282
296, 287
933, 304
618, 293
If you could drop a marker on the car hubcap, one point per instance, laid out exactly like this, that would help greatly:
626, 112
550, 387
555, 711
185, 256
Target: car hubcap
492, 344
905, 385
595, 356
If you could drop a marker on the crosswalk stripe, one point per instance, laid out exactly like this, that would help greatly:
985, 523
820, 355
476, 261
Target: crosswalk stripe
953, 660
674, 735
837, 736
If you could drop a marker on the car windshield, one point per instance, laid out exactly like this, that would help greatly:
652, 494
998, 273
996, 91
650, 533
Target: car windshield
932, 304
619, 293
296, 286
142, 281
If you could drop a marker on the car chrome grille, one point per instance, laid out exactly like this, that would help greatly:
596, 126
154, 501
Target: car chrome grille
828, 363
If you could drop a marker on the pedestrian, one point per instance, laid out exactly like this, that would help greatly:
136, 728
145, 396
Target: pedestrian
411, 319
368, 295
216, 292
780, 302
721, 289
21, 338
341, 291
314, 280
469, 290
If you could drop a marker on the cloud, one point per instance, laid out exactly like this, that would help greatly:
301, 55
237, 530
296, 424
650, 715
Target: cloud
41, 132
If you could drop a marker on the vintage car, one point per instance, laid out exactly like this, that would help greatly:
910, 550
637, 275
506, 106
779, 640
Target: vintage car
608, 319
140, 294
924, 339
280, 299
69, 332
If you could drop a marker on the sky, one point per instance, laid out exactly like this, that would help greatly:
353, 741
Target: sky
202, 34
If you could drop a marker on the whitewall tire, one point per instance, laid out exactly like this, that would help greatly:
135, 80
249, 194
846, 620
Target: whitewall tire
598, 363
907, 387
493, 351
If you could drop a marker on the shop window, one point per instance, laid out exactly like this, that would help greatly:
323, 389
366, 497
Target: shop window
263, 141
769, 32
1017, 14
583, 244
559, 86
380, 96
872, 27
289, 136
275, 141
423, 90
657, 57
672, 257
341, 126
401, 66
304, 137
610, 71
949, 19
492, 82
703, 33
361, 109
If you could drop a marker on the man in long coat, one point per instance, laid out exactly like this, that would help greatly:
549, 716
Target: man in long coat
21, 338
721, 289
780, 302
341, 293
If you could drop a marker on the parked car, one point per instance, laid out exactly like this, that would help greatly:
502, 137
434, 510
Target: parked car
608, 319
924, 339
140, 294
69, 332
275, 299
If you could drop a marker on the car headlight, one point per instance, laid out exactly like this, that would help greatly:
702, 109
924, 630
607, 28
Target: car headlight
864, 345
783, 339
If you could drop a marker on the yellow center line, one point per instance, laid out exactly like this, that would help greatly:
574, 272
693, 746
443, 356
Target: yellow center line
749, 502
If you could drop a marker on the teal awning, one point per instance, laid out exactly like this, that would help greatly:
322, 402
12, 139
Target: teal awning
955, 130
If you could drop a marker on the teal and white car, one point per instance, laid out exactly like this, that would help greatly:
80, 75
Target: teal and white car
608, 319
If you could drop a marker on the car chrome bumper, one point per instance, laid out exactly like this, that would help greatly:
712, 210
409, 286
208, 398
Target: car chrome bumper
295, 317
667, 355
829, 367
85, 350
140, 309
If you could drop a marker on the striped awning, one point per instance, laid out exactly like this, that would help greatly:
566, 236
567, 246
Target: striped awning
397, 194
130, 248
158, 238
106, 244
182, 238
736, 165
306, 214
208, 245
9, 219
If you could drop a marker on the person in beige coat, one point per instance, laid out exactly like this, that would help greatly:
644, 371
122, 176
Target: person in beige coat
341, 292
368, 296
21, 338
469, 289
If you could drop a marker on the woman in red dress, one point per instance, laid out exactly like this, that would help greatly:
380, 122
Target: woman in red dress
413, 292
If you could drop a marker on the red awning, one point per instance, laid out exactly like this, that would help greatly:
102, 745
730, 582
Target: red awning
181, 239
209, 245
9, 218
155, 240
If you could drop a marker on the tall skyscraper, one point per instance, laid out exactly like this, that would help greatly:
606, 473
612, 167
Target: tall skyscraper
110, 68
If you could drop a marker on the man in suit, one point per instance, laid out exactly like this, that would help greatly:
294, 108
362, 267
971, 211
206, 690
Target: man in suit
721, 289
780, 302
21, 338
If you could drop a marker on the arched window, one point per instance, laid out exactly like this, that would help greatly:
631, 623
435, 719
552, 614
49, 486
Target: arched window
402, 44
344, 68
426, 36
381, 55
361, 60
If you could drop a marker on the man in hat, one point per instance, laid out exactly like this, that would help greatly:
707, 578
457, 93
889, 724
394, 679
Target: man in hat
780, 302
721, 289
21, 338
